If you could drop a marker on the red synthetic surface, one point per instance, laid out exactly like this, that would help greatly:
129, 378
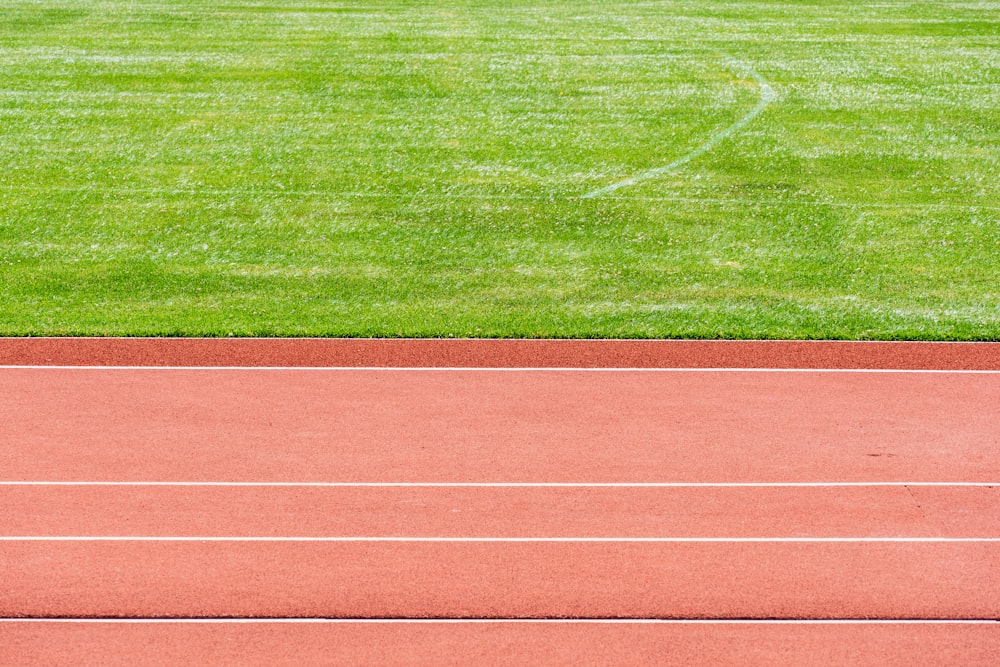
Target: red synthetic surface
497, 353
156, 425
487, 644
501, 512
498, 426
506, 580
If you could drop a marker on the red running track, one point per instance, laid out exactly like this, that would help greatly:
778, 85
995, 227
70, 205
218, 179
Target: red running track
433, 425
366, 492
442, 644
497, 353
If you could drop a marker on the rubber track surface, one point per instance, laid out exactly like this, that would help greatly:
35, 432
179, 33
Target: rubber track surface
373, 483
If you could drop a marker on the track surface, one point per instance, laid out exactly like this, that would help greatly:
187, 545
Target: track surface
472, 479
435, 644
497, 353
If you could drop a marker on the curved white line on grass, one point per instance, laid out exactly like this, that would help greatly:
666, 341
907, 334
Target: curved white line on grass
767, 95
443, 196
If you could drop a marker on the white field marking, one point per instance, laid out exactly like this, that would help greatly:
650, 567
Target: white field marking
660, 540
767, 95
542, 621
327, 194
513, 485
500, 369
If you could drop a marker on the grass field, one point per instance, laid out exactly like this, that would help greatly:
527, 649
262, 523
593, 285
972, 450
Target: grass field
403, 168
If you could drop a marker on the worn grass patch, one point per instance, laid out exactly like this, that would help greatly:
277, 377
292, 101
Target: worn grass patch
420, 168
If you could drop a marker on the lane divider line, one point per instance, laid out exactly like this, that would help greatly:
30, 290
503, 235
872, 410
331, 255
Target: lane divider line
270, 538
544, 621
767, 95
512, 485
503, 369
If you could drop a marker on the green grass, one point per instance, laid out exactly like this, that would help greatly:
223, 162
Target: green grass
407, 168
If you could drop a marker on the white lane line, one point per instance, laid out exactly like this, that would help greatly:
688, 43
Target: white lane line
664, 540
543, 621
512, 485
504, 369
767, 95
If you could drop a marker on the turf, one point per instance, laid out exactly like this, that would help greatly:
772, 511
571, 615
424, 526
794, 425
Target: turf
404, 168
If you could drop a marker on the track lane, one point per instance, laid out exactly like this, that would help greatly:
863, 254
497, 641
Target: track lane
467, 426
516, 425
831, 511
440, 644
507, 580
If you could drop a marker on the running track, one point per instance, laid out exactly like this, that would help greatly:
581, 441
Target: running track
279, 501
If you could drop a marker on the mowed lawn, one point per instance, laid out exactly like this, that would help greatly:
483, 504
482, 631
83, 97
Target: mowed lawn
815, 169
